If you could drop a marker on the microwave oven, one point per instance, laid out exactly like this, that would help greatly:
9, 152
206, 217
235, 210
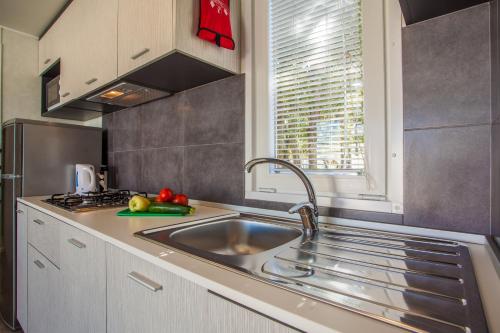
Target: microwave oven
52, 92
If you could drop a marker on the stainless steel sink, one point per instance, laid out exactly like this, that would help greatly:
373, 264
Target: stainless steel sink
235, 236
417, 283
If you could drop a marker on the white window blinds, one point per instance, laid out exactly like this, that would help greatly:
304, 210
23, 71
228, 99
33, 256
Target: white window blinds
316, 76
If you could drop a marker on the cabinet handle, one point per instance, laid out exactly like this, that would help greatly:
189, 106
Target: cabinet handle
65, 94
139, 54
77, 243
39, 222
46, 61
39, 264
20, 211
144, 281
92, 80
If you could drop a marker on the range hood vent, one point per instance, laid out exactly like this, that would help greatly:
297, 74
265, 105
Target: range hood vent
164, 77
127, 94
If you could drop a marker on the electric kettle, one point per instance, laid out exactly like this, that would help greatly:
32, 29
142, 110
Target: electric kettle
85, 179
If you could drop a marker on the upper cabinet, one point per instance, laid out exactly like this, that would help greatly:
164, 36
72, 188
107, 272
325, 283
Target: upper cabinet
150, 43
88, 47
144, 32
47, 50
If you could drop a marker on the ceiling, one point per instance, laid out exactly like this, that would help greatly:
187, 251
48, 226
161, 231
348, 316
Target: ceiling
30, 16
420, 10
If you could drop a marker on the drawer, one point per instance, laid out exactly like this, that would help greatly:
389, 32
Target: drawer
43, 234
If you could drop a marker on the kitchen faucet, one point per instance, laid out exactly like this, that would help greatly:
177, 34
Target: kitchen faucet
308, 211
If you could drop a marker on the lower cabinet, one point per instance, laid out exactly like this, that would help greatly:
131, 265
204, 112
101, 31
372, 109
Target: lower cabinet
96, 287
83, 282
43, 291
145, 298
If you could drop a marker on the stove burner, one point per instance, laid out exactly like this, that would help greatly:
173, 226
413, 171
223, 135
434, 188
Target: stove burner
91, 200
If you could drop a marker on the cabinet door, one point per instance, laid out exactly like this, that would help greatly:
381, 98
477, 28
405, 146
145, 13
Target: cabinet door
22, 266
88, 58
47, 51
83, 282
43, 285
97, 49
69, 46
226, 317
145, 298
144, 32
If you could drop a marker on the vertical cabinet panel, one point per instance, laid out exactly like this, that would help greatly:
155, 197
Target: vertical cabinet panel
22, 266
83, 282
144, 32
43, 287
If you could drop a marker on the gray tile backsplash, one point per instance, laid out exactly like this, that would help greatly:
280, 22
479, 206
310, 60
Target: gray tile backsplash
127, 169
215, 172
447, 178
226, 121
447, 70
191, 142
162, 123
162, 166
448, 113
126, 129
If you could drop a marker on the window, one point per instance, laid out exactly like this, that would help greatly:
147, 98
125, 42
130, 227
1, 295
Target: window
323, 91
316, 79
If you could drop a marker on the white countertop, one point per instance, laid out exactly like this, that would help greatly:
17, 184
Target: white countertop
295, 310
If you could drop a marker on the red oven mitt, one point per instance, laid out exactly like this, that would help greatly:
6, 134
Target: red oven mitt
215, 23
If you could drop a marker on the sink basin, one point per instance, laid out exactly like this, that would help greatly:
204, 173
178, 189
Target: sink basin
235, 236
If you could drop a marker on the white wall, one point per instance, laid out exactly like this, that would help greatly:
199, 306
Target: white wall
21, 85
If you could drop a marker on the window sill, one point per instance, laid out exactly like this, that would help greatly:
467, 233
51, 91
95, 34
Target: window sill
346, 203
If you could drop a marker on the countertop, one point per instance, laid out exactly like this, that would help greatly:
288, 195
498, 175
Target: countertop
301, 312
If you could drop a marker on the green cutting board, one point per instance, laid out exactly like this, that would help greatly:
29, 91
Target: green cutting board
127, 212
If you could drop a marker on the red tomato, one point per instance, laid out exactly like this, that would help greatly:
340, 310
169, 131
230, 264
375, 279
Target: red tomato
181, 199
165, 195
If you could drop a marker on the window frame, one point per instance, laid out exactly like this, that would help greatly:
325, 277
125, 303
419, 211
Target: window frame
381, 189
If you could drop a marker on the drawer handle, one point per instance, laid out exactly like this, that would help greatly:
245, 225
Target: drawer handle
39, 264
20, 211
66, 94
91, 81
144, 281
46, 61
77, 243
38, 221
139, 54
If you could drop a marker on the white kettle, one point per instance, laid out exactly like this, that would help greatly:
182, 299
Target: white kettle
85, 179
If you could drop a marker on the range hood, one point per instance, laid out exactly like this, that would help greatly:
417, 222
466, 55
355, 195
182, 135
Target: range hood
126, 94
173, 73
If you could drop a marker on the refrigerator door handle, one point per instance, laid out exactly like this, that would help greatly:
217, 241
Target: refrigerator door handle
11, 176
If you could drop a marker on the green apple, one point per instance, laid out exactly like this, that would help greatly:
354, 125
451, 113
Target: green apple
138, 204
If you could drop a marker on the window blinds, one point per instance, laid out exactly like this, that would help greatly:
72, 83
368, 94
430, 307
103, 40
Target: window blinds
316, 76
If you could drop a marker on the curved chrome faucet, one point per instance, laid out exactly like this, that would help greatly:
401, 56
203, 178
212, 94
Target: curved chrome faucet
308, 211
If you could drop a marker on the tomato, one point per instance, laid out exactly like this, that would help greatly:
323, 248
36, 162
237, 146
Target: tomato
181, 199
165, 195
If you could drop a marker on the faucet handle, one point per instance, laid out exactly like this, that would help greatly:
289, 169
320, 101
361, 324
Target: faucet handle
297, 207
308, 215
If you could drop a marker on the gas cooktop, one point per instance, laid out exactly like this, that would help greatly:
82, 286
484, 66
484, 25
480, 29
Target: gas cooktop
91, 201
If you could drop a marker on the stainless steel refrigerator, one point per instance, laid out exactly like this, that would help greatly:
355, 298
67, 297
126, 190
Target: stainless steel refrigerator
38, 158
